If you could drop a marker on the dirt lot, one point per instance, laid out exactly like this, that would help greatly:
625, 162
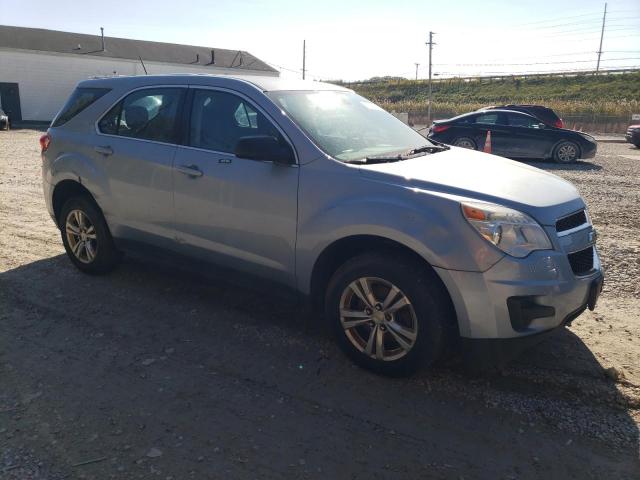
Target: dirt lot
149, 373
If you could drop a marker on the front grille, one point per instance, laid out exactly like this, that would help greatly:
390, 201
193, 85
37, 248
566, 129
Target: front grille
581, 261
572, 221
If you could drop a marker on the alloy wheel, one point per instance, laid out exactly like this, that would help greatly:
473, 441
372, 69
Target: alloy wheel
567, 153
81, 236
464, 143
378, 318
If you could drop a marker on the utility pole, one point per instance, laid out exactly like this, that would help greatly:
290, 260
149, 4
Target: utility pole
304, 58
417, 65
431, 44
604, 17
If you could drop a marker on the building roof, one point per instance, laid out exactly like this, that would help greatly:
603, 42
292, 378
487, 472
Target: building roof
82, 44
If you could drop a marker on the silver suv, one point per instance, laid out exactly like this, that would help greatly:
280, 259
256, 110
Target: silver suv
405, 244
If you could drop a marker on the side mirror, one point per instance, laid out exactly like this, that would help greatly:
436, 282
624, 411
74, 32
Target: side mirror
266, 148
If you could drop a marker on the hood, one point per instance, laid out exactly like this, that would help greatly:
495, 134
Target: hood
479, 176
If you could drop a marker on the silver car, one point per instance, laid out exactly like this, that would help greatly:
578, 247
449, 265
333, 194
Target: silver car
406, 245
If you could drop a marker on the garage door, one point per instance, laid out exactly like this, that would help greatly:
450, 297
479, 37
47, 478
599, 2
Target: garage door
10, 101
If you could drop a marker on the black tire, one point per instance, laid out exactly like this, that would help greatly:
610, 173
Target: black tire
105, 257
562, 152
465, 142
426, 294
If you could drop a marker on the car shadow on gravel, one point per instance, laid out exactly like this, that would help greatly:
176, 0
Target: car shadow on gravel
580, 166
151, 357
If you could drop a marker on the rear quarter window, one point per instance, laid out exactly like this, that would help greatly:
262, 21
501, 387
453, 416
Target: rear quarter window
80, 99
487, 118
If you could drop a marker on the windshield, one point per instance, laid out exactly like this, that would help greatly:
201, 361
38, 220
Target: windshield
347, 126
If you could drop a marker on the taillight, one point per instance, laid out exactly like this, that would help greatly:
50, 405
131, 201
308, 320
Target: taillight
559, 123
440, 128
45, 141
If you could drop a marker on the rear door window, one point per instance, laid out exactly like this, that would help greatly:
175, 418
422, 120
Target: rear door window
80, 99
149, 114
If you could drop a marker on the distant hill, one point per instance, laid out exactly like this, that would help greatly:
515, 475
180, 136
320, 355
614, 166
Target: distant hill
609, 95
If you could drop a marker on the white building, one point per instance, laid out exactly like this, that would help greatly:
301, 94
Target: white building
40, 68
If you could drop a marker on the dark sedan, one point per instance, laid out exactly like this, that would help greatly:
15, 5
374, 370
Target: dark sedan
514, 135
633, 135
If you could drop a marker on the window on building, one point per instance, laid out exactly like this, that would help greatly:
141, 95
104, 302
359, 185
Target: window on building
80, 99
149, 114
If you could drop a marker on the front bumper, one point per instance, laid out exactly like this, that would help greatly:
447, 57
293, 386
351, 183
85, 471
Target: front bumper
543, 285
633, 136
590, 150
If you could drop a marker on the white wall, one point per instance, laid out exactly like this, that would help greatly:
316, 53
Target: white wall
46, 79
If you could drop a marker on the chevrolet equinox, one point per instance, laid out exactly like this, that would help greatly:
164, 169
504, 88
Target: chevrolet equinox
402, 242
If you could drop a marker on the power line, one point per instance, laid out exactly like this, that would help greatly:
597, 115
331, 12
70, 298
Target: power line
557, 19
505, 60
561, 19
530, 63
609, 37
586, 23
535, 72
594, 29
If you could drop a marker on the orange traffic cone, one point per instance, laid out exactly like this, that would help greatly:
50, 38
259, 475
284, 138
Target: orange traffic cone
487, 143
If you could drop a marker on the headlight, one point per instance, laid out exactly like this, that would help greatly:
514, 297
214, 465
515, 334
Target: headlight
513, 232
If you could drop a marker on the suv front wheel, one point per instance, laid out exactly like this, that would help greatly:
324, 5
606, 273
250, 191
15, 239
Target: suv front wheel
86, 236
389, 315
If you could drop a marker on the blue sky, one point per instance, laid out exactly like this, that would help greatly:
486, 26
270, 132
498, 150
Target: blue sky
359, 39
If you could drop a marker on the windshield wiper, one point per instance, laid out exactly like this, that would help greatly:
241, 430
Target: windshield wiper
408, 154
377, 159
427, 149
384, 158
402, 156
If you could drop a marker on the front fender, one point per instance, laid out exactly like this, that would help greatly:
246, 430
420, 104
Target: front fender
429, 224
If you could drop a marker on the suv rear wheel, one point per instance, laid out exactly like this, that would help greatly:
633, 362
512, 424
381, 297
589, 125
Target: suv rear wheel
389, 315
86, 236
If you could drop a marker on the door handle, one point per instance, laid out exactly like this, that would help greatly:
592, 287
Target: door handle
104, 150
190, 170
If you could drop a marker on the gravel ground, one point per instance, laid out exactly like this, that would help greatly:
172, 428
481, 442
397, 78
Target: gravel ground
153, 373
